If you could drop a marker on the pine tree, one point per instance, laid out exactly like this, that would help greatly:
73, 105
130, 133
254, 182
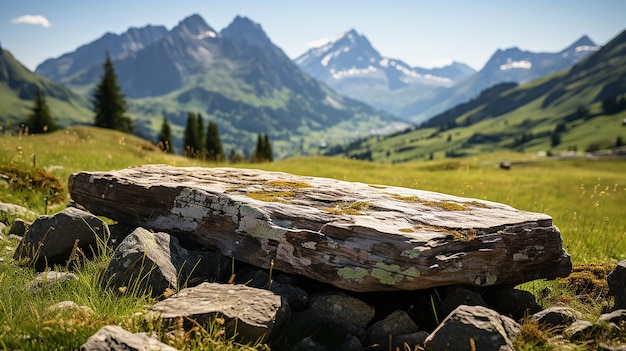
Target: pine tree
215, 151
190, 139
263, 151
109, 103
200, 130
267, 148
40, 120
258, 150
165, 137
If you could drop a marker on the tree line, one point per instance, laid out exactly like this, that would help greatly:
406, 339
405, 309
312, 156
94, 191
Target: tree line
206, 145
110, 107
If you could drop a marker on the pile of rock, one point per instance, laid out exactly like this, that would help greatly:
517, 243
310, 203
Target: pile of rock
313, 264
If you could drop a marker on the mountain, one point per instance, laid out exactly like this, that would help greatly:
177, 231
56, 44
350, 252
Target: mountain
236, 77
117, 45
567, 110
17, 91
350, 64
510, 65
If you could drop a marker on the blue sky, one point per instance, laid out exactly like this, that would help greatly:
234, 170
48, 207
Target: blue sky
422, 33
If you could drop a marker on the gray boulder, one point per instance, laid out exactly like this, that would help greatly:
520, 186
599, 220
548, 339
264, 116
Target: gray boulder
617, 285
252, 314
156, 262
473, 328
114, 338
51, 239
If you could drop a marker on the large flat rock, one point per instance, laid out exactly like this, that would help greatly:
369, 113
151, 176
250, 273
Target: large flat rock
355, 236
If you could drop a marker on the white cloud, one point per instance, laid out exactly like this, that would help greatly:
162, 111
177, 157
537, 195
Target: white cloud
37, 20
443, 62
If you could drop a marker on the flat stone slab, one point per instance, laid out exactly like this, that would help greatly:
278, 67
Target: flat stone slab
355, 236
250, 313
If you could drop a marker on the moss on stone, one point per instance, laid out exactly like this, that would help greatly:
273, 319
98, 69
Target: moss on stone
349, 208
289, 184
272, 196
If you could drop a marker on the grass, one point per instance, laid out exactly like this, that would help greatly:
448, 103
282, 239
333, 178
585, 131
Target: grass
585, 198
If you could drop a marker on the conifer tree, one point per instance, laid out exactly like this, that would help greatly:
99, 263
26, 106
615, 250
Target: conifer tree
40, 120
200, 129
263, 152
109, 102
190, 138
165, 137
267, 148
215, 151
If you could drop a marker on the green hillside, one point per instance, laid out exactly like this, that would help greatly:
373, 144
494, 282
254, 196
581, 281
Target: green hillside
579, 109
17, 91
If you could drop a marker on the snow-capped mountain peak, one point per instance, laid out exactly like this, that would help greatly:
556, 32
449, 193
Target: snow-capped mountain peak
350, 55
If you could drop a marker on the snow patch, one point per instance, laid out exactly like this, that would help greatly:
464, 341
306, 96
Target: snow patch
207, 34
587, 48
510, 64
352, 72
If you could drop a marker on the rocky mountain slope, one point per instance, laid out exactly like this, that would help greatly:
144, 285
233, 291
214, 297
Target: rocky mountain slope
237, 77
352, 66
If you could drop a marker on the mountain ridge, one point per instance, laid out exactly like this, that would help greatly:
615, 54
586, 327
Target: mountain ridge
509, 65
18, 86
236, 77
350, 64
560, 112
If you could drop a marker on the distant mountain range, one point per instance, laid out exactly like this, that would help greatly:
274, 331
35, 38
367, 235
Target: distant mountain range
560, 112
350, 65
244, 82
237, 77
511, 65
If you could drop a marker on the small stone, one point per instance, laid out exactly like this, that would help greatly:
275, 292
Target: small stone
114, 338
458, 295
617, 317
473, 328
339, 308
70, 305
308, 344
47, 279
397, 323
19, 227
579, 330
555, 316
617, 285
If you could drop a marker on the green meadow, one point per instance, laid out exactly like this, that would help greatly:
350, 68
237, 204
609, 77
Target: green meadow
586, 199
